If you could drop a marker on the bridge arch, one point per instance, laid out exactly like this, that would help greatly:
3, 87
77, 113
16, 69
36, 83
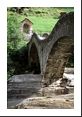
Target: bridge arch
58, 58
34, 62
54, 51
63, 28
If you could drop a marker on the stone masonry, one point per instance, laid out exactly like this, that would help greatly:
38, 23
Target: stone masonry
53, 52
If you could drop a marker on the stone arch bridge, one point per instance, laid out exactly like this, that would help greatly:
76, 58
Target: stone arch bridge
47, 59
50, 55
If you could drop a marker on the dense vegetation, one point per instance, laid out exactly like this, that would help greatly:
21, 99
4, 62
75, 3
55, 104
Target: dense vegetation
43, 20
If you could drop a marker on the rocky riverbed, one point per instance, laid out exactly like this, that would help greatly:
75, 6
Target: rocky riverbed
57, 102
58, 95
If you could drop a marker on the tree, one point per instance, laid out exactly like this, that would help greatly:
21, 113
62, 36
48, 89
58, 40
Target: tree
12, 31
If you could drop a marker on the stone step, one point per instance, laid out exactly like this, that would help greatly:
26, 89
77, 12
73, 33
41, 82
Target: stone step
22, 92
25, 89
23, 85
25, 78
29, 81
19, 95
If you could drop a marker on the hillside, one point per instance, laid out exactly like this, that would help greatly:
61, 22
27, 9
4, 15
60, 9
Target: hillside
43, 19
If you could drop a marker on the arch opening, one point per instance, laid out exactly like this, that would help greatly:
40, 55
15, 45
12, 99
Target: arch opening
34, 60
58, 59
26, 28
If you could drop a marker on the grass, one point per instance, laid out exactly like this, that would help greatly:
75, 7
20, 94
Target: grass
42, 24
22, 43
43, 18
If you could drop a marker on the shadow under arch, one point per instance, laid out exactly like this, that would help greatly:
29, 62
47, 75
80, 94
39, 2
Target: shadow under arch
34, 60
58, 58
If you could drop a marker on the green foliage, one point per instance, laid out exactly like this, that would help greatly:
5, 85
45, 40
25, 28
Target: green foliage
14, 40
46, 11
13, 32
42, 24
10, 65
